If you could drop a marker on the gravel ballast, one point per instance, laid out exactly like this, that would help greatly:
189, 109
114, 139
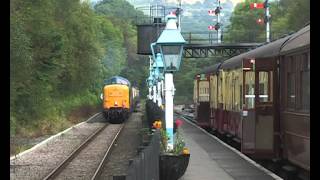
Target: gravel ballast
39, 161
125, 148
84, 165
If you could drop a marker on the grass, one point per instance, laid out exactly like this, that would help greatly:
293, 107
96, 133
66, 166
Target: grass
61, 116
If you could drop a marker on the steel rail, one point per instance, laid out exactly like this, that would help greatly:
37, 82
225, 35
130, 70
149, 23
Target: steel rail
97, 173
73, 154
185, 116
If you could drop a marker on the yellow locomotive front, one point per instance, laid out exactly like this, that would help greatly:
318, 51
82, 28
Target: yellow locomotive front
116, 99
116, 96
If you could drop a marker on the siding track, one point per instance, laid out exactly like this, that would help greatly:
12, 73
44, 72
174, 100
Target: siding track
84, 161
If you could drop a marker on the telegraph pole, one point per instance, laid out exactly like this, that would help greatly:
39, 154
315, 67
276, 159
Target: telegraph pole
267, 19
179, 16
218, 19
264, 6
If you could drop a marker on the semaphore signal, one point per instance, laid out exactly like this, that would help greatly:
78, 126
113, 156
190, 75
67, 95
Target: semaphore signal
256, 5
267, 16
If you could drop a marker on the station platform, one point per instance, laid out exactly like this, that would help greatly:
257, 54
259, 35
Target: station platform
212, 159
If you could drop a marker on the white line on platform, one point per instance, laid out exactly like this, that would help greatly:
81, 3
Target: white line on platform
50, 138
236, 151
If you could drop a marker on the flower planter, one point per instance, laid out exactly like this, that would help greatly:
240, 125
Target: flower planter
172, 167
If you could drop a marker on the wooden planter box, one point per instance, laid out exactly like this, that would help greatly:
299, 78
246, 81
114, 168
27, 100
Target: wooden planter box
172, 167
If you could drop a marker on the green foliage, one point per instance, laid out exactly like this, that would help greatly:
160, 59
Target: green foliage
126, 62
60, 52
120, 9
179, 142
286, 16
243, 27
163, 140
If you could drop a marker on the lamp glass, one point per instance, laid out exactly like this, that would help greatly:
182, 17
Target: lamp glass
172, 56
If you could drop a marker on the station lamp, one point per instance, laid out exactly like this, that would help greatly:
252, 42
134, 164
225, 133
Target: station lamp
154, 85
150, 81
155, 70
160, 66
171, 45
160, 78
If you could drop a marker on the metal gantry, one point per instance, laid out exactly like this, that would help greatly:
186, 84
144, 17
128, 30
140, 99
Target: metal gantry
224, 50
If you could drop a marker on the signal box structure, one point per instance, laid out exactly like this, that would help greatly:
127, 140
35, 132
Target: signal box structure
150, 23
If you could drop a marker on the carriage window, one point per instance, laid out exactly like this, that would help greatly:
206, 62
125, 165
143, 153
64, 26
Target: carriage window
233, 98
240, 96
305, 90
291, 83
291, 96
264, 90
305, 84
249, 89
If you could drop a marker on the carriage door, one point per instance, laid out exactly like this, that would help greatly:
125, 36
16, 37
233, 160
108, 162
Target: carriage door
265, 82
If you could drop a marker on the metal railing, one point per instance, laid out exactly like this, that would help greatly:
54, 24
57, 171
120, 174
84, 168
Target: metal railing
153, 14
210, 37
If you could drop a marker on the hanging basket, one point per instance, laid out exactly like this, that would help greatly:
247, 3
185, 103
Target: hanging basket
172, 167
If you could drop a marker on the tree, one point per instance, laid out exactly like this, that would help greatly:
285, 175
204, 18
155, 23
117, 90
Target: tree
286, 16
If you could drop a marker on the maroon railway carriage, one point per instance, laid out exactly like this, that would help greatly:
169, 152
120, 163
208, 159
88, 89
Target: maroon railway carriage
261, 99
295, 98
201, 100
204, 114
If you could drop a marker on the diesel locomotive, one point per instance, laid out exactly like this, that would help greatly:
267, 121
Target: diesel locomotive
119, 99
259, 101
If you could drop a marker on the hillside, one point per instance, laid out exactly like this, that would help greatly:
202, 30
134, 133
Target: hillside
60, 53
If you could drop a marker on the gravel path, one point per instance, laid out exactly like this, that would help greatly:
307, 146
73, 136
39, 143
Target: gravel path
125, 149
38, 162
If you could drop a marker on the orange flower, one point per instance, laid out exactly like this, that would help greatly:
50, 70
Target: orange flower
185, 151
157, 124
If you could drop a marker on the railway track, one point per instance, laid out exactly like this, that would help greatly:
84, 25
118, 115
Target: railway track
94, 150
190, 118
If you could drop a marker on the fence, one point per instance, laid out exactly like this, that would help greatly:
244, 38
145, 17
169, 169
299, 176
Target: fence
146, 165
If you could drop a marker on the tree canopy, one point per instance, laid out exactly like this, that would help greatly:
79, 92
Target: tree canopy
60, 52
286, 17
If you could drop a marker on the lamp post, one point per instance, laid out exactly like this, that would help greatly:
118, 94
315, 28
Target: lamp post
154, 88
171, 46
149, 82
155, 78
159, 70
